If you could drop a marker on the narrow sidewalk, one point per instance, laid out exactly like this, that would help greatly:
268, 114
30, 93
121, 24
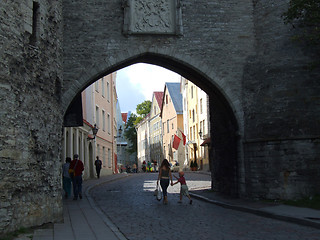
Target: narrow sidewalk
303, 216
82, 219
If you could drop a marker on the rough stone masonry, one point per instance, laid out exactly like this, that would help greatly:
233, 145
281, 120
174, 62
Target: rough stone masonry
264, 100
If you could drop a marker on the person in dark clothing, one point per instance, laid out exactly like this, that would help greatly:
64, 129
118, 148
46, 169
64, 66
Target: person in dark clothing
164, 175
77, 168
66, 177
98, 165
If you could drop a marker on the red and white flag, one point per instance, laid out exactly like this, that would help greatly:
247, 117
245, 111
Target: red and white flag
184, 138
176, 142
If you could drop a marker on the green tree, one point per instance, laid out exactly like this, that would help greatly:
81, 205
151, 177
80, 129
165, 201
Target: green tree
131, 134
143, 109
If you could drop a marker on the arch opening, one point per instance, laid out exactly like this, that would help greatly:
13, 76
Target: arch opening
224, 127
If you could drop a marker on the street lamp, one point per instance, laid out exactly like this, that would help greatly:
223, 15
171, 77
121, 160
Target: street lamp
94, 132
200, 134
115, 137
120, 132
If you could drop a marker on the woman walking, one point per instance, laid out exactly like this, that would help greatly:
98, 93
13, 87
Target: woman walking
164, 175
66, 178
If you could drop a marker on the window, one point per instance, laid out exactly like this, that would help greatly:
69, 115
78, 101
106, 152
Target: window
168, 126
193, 116
194, 132
102, 87
190, 132
172, 126
109, 123
108, 91
109, 158
197, 130
35, 23
103, 120
97, 116
155, 110
191, 91
166, 99
98, 150
96, 84
201, 110
104, 156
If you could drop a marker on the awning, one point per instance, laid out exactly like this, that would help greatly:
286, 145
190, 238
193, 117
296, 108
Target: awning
207, 141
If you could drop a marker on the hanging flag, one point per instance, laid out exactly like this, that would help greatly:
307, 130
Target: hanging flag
176, 142
184, 138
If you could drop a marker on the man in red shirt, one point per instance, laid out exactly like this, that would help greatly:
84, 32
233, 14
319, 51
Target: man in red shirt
77, 165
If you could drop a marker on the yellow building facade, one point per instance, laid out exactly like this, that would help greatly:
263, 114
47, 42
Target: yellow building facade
195, 105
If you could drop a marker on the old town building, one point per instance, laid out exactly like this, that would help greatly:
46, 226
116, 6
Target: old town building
196, 117
98, 111
143, 141
156, 154
172, 124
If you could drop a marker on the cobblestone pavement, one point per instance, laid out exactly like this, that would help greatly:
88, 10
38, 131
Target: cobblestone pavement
132, 207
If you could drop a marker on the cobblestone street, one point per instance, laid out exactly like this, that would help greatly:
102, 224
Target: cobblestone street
132, 207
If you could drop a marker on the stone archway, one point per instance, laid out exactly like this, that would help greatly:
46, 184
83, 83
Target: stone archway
240, 51
226, 173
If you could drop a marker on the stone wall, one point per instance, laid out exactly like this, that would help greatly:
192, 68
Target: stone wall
30, 114
282, 169
281, 109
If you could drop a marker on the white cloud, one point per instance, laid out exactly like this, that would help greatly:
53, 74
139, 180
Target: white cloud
149, 78
141, 79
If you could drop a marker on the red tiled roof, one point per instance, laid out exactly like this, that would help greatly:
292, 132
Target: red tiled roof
86, 122
124, 117
159, 96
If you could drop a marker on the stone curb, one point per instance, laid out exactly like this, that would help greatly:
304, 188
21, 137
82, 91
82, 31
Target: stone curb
300, 221
103, 216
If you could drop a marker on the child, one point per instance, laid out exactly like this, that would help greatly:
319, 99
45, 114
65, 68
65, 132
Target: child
184, 187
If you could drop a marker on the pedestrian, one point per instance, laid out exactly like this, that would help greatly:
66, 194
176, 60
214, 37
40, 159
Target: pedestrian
98, 165
183, 188
164, 175
144, 168
77, 166
135, 168
66, 179
149, 166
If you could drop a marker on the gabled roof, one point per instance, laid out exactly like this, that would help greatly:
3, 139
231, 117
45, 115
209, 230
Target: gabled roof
176, 96
158, 96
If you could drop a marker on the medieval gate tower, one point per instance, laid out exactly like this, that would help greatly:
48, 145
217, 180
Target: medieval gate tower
264, 101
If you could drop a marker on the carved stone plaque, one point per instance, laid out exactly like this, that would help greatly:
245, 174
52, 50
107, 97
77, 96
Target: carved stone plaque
152, 17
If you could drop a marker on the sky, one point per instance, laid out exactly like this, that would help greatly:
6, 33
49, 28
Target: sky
137, 82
